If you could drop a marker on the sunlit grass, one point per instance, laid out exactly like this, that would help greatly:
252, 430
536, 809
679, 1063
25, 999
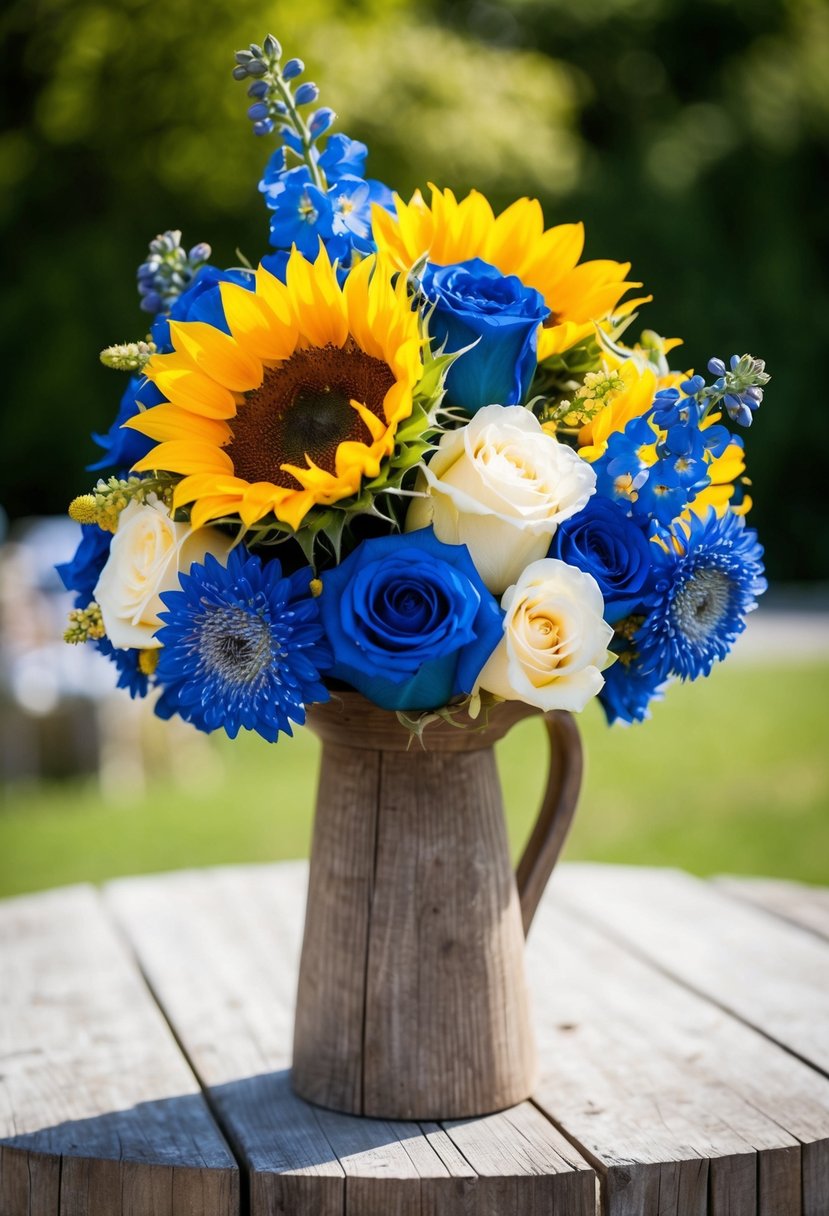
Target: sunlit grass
731, 774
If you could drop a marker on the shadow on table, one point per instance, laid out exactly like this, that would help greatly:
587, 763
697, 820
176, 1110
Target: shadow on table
262, 1123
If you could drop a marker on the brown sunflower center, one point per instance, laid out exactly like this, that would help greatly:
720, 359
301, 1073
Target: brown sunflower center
302, 408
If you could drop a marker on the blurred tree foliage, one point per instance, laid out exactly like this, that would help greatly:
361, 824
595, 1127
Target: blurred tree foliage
690, 135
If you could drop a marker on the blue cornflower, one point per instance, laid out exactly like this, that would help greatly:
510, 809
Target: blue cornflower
242, 646
704, 585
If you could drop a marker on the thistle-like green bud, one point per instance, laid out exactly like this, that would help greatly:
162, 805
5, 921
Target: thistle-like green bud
128, 356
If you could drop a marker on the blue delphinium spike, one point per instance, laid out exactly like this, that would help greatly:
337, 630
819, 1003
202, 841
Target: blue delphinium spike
292, 69
168, 271
306, 93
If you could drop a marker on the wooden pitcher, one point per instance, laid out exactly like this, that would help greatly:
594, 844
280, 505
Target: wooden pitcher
412, 1000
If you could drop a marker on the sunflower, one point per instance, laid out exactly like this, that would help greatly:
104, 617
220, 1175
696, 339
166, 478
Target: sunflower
516, 243
297, 404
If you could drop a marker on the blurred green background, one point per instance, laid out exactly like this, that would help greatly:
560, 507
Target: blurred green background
689, 135
729, 776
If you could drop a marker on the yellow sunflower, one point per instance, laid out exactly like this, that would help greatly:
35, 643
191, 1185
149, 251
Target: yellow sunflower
514, 242
297, 405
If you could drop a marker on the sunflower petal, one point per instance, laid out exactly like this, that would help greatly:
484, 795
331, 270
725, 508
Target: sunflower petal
167, 421
186, 456
217, 355
255, 326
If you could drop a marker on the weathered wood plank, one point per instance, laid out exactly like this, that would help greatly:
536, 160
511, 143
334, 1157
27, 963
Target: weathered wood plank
559, 1185
99, 1113
769, 973
221, 950
804, 906
686, 1109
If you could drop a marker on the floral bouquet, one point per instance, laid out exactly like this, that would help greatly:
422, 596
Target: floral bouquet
414, 453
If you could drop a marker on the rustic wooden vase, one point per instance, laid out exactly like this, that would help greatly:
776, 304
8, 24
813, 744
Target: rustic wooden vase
412, 1001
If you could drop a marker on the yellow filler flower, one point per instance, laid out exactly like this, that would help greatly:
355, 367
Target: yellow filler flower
297, 405
514, 242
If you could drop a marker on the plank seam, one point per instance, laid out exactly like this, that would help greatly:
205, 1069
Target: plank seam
767, 1115
232, 1144
775, 913
629, 947
599, 1167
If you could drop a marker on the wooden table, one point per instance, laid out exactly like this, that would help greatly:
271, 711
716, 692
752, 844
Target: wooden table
682, 1024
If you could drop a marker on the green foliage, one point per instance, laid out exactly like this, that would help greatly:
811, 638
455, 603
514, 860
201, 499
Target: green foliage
690, 136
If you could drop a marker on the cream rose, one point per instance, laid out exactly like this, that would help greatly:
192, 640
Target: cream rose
500, 485
147, 552
555, 641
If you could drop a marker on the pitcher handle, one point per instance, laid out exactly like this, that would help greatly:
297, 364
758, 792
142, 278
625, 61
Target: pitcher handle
556, 815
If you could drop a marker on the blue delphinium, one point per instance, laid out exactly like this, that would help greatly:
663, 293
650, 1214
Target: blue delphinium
623, 469
242, 646
738, 387
325, 196
705, 583
167, 271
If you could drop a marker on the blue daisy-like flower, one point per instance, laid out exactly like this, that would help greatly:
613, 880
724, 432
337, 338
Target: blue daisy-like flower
242, 646
705, 585
130, 675
629, 689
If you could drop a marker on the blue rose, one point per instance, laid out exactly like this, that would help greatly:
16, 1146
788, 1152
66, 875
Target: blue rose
123, 447
82, 572
409, 621
475, 303
603, 541
202, 301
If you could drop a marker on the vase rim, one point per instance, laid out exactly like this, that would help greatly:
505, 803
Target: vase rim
351, 720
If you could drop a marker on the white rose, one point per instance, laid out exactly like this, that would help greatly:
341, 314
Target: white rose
145, 557
501, 485
555, 641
